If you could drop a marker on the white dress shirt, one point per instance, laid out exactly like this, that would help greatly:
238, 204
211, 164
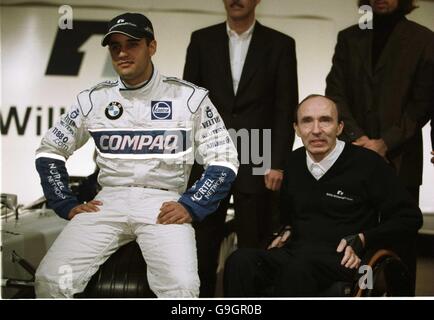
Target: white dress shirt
318, 169
238, 47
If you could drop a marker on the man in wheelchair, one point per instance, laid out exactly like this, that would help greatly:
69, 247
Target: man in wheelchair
340, 201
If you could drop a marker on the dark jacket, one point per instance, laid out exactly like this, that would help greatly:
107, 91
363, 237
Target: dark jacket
267, 93
392, 101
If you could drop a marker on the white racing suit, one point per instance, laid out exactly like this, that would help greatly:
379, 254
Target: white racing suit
146, 139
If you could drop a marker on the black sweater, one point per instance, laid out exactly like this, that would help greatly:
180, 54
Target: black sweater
359, 193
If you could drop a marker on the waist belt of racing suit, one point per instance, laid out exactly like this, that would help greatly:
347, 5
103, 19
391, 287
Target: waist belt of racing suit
147, 187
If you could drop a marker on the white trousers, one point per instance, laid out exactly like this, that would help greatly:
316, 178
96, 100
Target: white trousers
127, 213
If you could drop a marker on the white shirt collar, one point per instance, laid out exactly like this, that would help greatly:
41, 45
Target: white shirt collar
318, 169
245, 34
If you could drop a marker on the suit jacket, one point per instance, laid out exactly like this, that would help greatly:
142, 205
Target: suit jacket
267, 93
392, 101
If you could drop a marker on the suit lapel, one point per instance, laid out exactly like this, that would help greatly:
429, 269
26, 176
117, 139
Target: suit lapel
222, 56
254, 57
364, 46
393, 45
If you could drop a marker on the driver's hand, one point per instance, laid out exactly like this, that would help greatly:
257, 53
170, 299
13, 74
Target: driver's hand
173, 212
91, 206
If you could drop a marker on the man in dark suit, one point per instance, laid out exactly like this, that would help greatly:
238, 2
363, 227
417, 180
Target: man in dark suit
251, 73
382, 79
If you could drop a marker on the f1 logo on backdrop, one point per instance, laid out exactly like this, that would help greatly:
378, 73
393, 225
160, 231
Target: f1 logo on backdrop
65, 58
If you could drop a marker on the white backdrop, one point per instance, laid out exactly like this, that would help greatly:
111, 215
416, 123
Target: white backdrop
28, 35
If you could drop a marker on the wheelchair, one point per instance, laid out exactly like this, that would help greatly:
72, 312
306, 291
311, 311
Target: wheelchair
386, 276
123, 275
383, 274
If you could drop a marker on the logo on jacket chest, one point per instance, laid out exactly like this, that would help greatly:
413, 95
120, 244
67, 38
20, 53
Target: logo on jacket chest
114, 110
116, 143
161, 110
339, 195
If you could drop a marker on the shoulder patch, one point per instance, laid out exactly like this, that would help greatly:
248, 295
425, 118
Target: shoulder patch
84, 97
198, 94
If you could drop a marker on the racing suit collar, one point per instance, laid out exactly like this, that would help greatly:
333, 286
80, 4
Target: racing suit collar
147, 84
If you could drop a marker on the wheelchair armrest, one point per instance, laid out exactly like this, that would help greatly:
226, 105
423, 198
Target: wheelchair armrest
386, 267
375, 256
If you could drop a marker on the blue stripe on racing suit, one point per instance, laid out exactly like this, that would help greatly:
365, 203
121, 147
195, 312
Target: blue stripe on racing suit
54, 181
204, 197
